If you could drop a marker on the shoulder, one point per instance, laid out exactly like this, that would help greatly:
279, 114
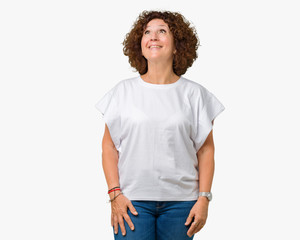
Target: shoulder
121, 86
126, 81
196, 90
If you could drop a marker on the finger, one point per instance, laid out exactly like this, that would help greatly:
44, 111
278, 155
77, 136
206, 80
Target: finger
132, 209
189, 219
192, 228
128, 220
122, 226
196, 227
116, 227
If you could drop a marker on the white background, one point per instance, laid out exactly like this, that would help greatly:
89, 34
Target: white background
58, 58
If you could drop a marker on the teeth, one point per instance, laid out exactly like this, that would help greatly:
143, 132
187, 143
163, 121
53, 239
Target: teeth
155, 46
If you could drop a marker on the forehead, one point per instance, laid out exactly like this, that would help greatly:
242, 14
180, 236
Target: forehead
156, 23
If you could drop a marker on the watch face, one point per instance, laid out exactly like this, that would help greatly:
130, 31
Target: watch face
207, 194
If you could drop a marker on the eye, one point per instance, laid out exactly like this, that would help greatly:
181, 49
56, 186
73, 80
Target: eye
159, 30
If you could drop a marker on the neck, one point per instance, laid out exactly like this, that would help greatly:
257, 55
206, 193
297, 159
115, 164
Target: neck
160, 73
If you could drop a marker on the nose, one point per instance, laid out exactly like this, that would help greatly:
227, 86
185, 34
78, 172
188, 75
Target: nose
153, 36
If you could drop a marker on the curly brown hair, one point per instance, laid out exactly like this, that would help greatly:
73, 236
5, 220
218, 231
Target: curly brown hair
185, 40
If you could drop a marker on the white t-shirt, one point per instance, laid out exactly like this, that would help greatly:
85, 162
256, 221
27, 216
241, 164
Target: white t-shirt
158, 129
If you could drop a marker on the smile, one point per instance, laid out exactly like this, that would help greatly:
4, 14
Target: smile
155, 47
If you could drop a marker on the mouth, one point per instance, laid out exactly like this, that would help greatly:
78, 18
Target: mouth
155, 46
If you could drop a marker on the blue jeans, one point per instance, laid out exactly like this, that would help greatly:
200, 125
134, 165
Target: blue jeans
158, 220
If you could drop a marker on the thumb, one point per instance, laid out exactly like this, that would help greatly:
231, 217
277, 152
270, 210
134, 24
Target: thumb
132, 209
189, 219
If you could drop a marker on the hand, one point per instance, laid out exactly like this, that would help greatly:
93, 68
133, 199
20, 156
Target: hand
119, 211
199, 212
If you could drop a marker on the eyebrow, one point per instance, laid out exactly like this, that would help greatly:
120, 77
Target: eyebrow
158, 25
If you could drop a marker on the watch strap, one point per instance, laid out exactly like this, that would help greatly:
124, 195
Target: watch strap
206, 194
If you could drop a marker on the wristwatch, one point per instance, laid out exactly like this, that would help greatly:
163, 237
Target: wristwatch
206, 194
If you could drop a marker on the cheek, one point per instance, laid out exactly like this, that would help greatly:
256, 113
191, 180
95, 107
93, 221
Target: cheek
167, 41
143, 43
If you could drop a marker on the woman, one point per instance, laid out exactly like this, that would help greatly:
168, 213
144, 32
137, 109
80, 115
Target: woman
157, 148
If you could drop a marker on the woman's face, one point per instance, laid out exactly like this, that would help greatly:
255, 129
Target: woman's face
158, 34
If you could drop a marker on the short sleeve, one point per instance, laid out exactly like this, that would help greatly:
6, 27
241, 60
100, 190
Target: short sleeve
109, 110
209, 110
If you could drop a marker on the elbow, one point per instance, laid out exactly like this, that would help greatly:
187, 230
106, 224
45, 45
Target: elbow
208, 145
204, 150
109, 151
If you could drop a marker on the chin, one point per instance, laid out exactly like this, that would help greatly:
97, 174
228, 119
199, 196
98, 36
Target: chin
156, 58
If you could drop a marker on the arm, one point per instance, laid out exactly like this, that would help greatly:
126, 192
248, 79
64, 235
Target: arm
110, 159
206, 165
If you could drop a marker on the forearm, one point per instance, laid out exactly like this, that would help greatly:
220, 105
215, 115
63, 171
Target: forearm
206, 166
110, 166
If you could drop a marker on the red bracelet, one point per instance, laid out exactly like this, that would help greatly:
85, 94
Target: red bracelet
113, 190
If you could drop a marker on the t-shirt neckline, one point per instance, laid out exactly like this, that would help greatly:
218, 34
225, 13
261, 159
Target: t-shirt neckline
160, 86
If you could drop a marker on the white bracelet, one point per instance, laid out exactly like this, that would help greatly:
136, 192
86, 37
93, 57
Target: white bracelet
110, 200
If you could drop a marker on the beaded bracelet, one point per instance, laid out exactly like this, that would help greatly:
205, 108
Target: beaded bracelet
113, 188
